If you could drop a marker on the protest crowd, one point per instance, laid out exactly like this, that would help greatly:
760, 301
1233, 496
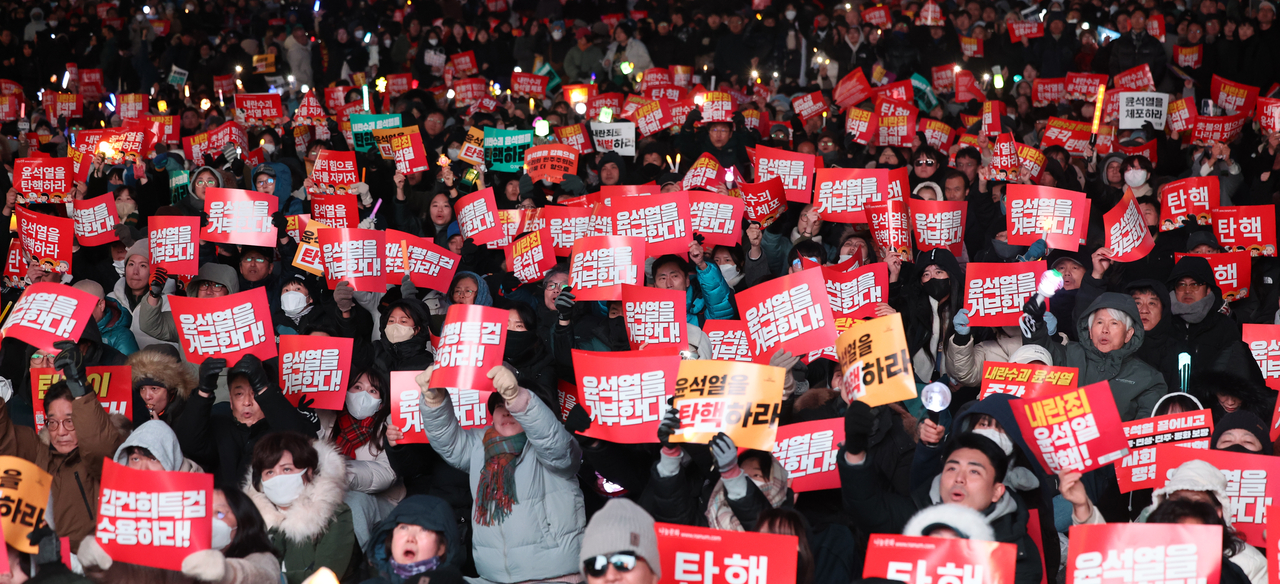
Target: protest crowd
524, 291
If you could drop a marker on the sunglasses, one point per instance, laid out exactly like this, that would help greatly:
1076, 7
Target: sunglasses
925, 163
599, 565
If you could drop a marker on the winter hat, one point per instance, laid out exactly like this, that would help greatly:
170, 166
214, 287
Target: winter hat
1242, 420
1196, 268
141, 247
1200, 238
928, 185
966, 522
699, 339
1195, 475
943, 259
1028, 353
622, 525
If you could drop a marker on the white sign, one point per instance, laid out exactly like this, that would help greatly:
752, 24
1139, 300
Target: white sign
1140, 107
619, 137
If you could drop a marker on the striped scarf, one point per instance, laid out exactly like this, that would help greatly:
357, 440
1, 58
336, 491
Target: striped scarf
497, 491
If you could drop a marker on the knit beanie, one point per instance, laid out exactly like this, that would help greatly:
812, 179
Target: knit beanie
621, 525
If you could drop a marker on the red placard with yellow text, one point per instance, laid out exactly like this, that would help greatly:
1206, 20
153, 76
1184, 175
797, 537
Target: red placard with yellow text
1026, 380
1077, 430
112, 383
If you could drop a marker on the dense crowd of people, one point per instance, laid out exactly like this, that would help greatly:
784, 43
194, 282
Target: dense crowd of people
530, 498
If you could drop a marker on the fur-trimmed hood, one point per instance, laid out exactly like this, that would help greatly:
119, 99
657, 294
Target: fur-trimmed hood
174, 375
966, 522
308, 517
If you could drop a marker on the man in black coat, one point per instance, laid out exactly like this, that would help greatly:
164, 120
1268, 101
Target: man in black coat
1136, 47
1211, 338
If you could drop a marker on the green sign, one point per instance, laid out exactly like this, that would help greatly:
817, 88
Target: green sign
504, 149
363, 125
925, 98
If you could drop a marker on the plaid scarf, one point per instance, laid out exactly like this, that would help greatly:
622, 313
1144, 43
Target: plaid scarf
351, 434
497, 491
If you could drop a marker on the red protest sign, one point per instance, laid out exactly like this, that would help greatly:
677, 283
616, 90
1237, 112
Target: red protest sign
600, 264
398, 84
226, 326
861, 124
1267, 113
698, 554
1078, 430
47, 313
15, 267
854, 294
309, 112
1026, 381
1247, 228
655, 317
354, 256
1032, 161
566, 225
173, 244
260, 109
1237, 98
464, 63
338, 211
717, 218
896, 124
705, 173
1057, 215
808, 451
967, 88
1005, 164
598, 102
240, 217
531, 256
46, 240
764, 201
1231, 270
1135, 79
651, 117
43, 180
1246, 507
794, 168
1219, 128
1190, 57
890, 225
430, 265
996, 292
661, 219
942, 77
971, 47
95, 220
406, 404
939, 224
1138, 469
478, 217
113, 384
936, 132
852, 89
992, 124
574, 136
133, 105
809, 106
529, 84
550, 161
1264, 344
625, 392
717, 106
791, 312
1182, 114
1193, 552
1084, 86
930, 15
842, 195
471, 343
1047, 91
335, 167
728, 340
1073, 136
877, 15
317, 368
1126, 231
178, 504
1022, 29
920, 560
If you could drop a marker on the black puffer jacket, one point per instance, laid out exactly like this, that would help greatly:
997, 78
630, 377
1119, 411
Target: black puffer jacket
1213, 343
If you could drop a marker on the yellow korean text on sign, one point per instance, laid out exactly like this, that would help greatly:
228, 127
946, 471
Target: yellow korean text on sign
24, 490
874, 358
308, 257
473, 146
743, 400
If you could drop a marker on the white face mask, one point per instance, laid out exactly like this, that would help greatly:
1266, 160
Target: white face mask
221, 534
283, 489
293, 303
1000, 438
844, 257
1135, 177
269, 148
731, 274
119, 266
433, 42
362, 404
398, 333
386, 43
557, 34
790, 14
453, 153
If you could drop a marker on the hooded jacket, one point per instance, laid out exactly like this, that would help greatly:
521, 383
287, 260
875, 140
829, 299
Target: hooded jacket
920, 312
1215, 342
156, 368
218, 442
191, 205
1160, 345
427, 512
964, 362
114, 327
713, 299
541, 536
158, 438
1135, 385
316, 530
158, 322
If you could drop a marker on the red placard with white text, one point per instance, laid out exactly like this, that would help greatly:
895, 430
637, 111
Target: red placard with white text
96, 220
809, 106
728, 340
567, 225
174, 243
260, 108
179, 505
1077, 430
1246, 508
227, 327
1249, 228
550, 161
764, 201
1188, 429
335, 167
337, 211
852, 89
1047, 91
1197, 195
938, 224
1182, 114
48, 312
655, 317
794, 168
921, 560
842, 194
808, 451
317, 368
478, 217
600, 264
529, 257
625, 392
471, 343
1084, 86
1264, 343
464, 63
406, 404
1025, 380
861, 125
661, 219
1126, 231
42, 180
937, 133
1022, 29
529, 84
1135, 79
1113, 553
46, 239
240, 217
354, 256
1236, 98
995, 292
791, 312
1267, 114
1059, 216
1233, 271
854, 294
717, 556
1219, 128
717, 218
890, 225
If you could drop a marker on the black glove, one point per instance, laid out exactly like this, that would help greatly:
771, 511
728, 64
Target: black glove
572, 184
209, 372
670, 424
1033, 308
858, 422
158, 281
251, 367
71, 363
578, 419
125, 235
565, 303
695, 116
304, 408
1190, 221
281, 224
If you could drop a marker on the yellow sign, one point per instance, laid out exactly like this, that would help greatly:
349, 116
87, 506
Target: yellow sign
473, 146
382, 137
308, 256
743, 400
263, 64
875, 361
24, 491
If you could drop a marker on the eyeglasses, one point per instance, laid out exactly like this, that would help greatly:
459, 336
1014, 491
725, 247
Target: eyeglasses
599, 565
253, 260
206, 182
1189, 286
64, 424
210, 286
926, 163
465, 293
38, 357
265, 181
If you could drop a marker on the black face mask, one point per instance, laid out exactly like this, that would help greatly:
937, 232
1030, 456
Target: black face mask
937, 289
1004, 250
519, 344
1237, 448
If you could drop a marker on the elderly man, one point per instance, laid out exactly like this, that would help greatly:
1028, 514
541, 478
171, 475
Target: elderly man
213, 280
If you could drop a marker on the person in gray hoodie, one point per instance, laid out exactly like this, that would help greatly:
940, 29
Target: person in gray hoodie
212, 281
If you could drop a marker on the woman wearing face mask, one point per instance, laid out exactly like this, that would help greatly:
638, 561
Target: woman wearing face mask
931, 293
298, 485
528, 353
357, 430
403, 344
297, 300
1137, 175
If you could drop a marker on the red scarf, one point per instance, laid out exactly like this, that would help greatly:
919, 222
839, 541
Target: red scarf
351, 434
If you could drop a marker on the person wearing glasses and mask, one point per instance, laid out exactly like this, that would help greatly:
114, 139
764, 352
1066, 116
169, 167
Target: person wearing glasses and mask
213, 281
1212, 338
621, 545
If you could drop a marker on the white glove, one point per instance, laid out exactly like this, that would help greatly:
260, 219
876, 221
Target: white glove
367, 222
362, 190
205, 565
92, 555
504, 382
431, 397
